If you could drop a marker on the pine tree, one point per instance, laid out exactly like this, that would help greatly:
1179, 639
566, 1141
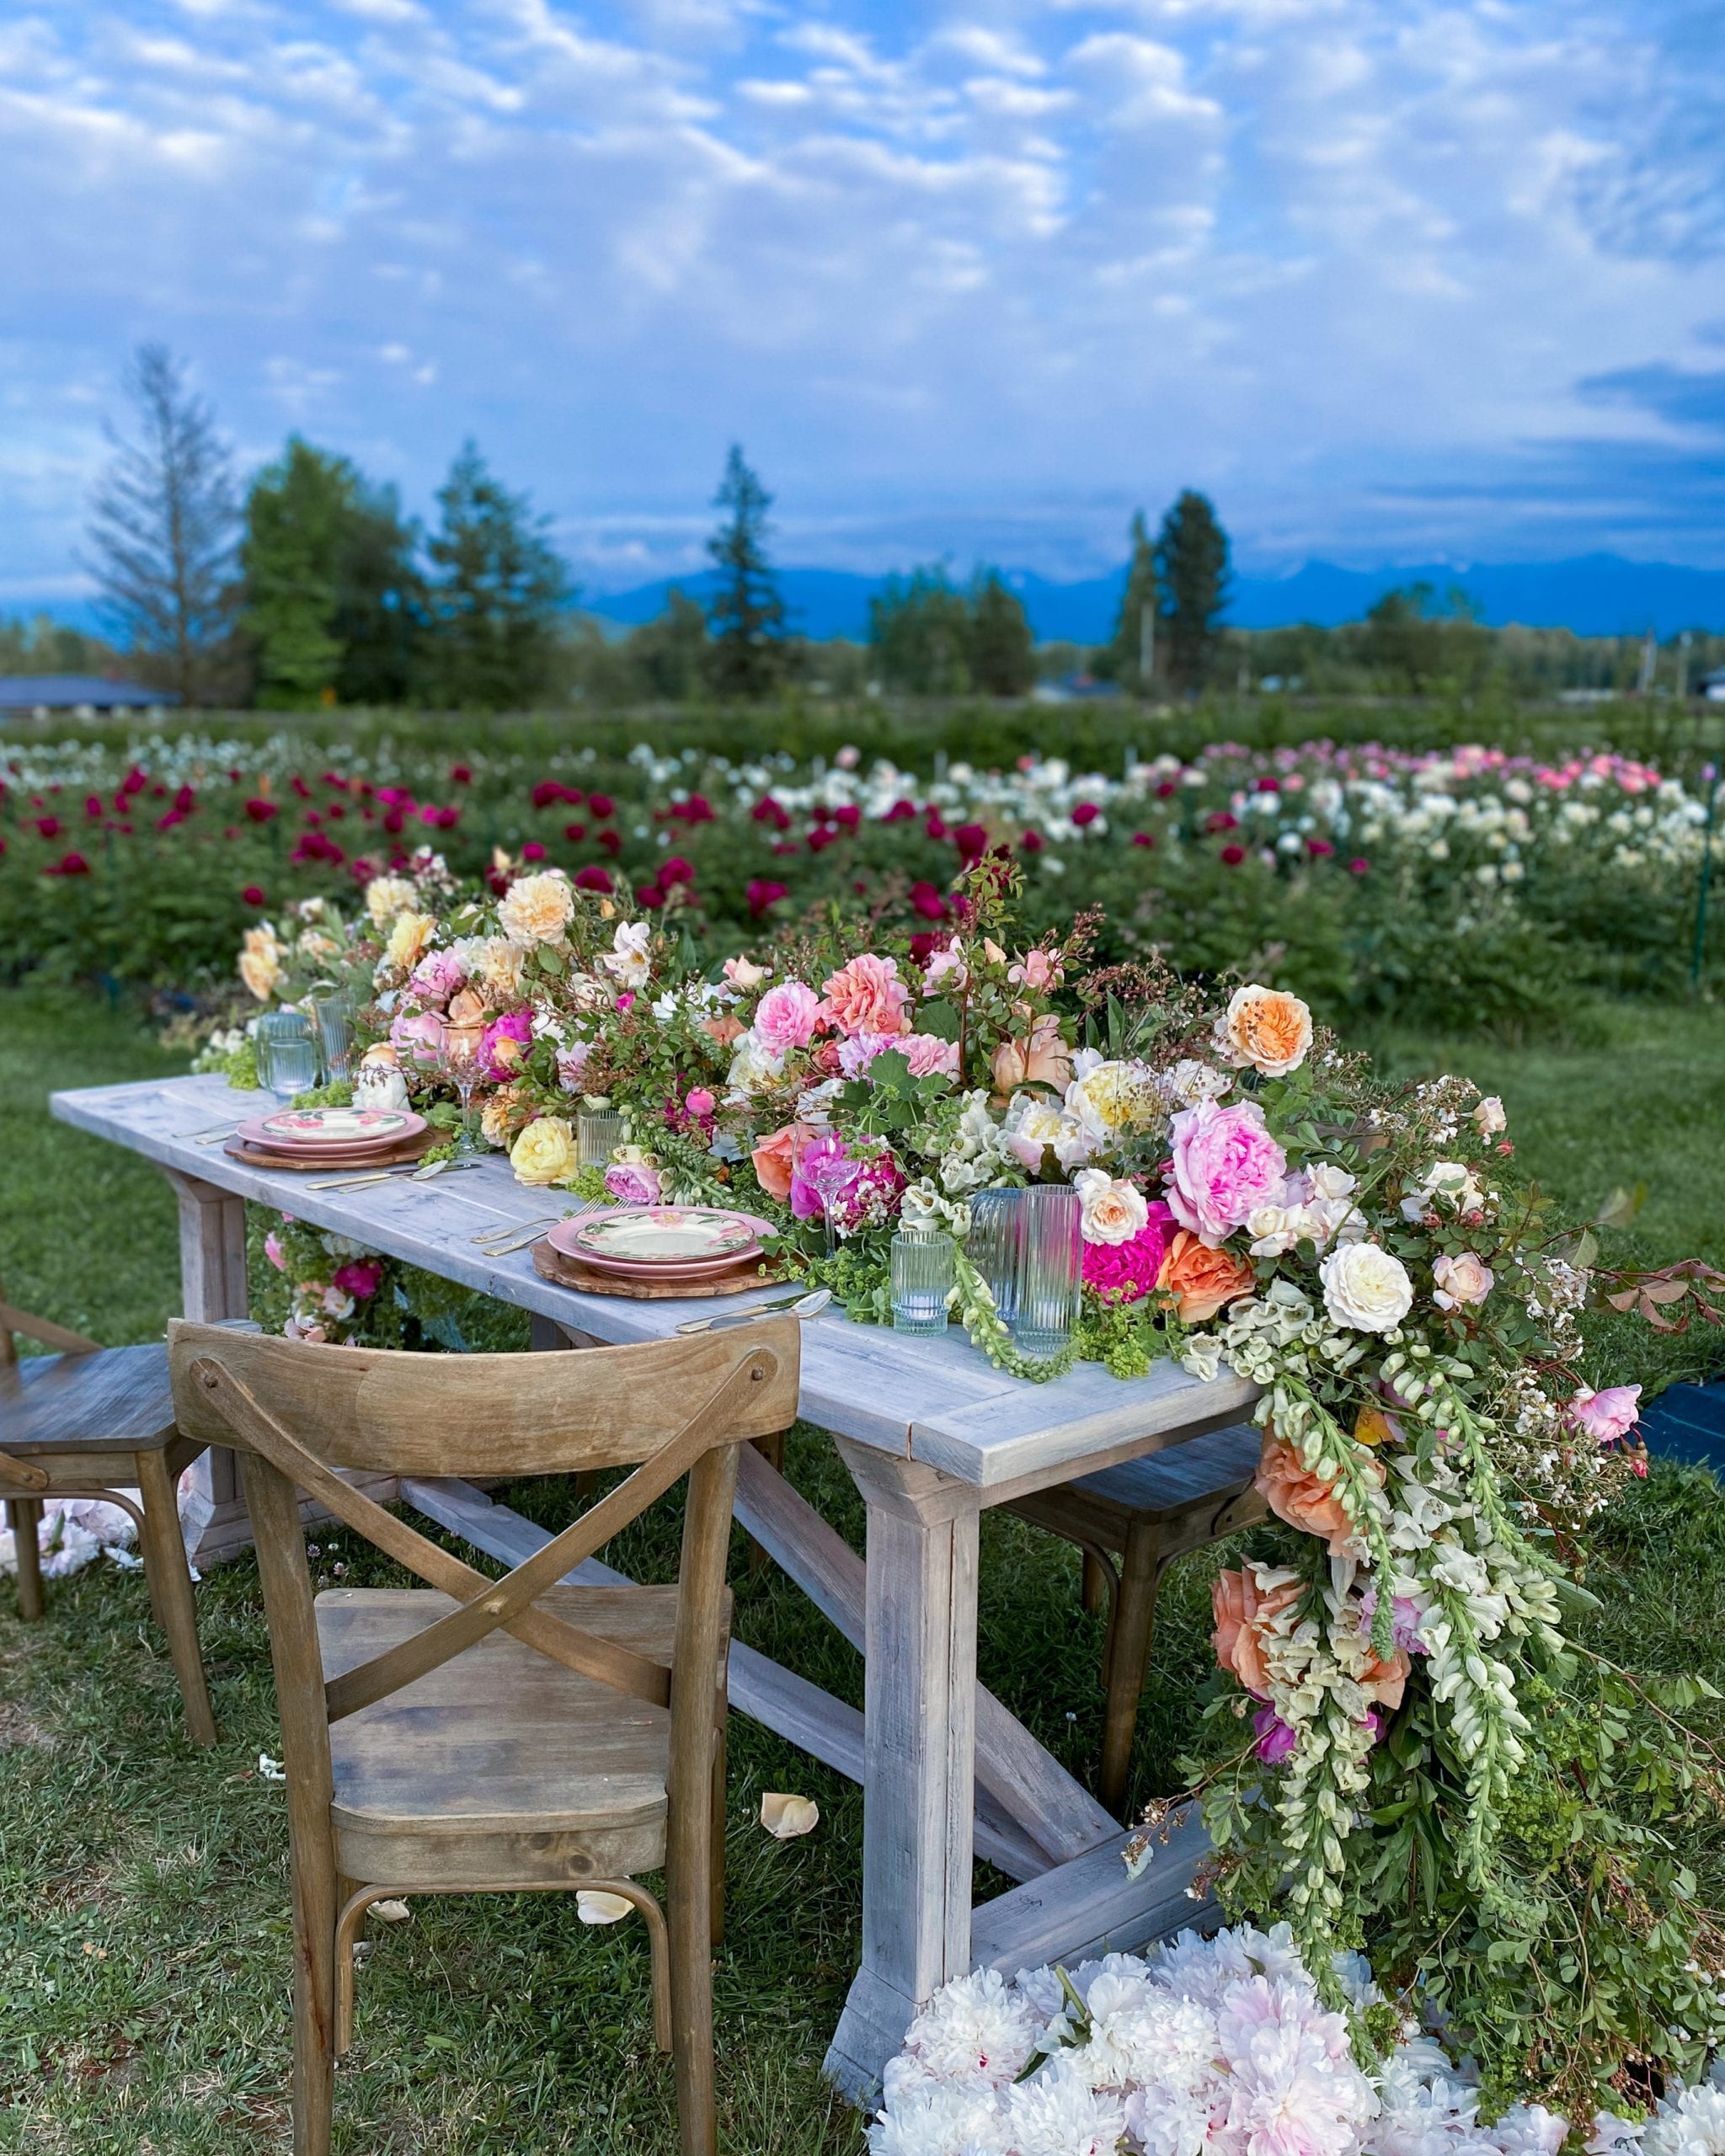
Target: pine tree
746, 613
1131, 656
297, 514
1003, 649
164, 521
495, 602
1192, 570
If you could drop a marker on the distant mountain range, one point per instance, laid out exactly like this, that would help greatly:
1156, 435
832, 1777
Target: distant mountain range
1595, 595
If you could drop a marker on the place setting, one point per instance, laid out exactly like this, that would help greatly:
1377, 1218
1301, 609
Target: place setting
339, 1136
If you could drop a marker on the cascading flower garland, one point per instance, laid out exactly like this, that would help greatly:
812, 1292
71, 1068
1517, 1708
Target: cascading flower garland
1406, 1751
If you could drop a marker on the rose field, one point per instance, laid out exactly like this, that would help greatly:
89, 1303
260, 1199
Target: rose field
1377, 1063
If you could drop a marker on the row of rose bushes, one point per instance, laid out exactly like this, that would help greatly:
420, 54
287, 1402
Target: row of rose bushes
1465, 886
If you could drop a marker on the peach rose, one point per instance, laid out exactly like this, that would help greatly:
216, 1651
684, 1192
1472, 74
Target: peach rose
1387, 1681
775, 1158
467, 1008
1042, 1057
867, 996
1244, 1608
1300, 1498
1266, 1028
724, 1030
1202, 1279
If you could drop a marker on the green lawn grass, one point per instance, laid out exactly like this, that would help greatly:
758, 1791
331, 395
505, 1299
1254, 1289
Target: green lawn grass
144, 1940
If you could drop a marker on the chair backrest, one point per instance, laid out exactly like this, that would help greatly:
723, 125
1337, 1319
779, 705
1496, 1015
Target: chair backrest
13, 1320
295, 1411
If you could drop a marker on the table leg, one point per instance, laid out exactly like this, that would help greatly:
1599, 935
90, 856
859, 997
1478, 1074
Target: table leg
919, 1711
212, 1274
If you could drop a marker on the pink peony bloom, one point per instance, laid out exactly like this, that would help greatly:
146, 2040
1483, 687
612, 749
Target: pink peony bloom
1126, 1272
630, 1183
1276, 1740
504, 1042
360, 1277
866, 996
1606, 1416
871, 1196
786, 1016
1225, 1166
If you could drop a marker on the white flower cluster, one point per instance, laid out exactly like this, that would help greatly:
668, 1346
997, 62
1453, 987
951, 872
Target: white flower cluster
1210, 2047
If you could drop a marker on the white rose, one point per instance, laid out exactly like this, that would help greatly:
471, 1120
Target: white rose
537, 908
1365, 1288
1489, 1118
627, 961
386, 896
1462, 1280
1112, 1211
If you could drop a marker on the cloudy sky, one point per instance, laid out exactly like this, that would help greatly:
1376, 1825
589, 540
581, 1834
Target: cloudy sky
1389, 278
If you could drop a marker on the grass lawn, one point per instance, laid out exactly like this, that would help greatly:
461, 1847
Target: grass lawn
144, 1936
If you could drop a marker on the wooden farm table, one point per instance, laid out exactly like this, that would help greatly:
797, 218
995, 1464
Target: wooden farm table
932, 1432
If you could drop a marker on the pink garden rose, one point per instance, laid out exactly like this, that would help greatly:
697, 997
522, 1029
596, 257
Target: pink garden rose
1606, 1416
1126, 1272
505, 1041
360, 1277
630, 1183
437, 977
856, 1054
1225, 1166
786, 1016
930, 1054
415, 1036
865, 996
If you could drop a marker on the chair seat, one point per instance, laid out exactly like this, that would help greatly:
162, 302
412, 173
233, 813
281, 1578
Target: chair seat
1152, 1491
500, 1765
119, 1399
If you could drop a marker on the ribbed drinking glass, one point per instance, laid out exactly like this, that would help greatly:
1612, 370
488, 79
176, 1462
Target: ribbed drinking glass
598, 1133
992, 1246
1050, 1261
922, 1277
333, 1015
293, 1065
267, 1029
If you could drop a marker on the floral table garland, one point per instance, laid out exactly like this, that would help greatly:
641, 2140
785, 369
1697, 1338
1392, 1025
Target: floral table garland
1405, 1751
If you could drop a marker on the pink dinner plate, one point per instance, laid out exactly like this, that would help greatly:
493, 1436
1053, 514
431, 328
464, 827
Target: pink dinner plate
660, 1242
320, 1130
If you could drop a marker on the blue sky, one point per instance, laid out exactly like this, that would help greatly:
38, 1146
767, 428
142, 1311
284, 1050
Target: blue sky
1391, 279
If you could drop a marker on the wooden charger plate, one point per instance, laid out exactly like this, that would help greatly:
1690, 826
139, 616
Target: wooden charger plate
338, 1162
569, 1272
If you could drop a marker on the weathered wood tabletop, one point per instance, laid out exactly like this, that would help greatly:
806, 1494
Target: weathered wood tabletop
933, 1435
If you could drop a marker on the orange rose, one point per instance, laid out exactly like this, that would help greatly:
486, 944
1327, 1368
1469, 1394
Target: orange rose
1243, 1611
1267, 1029
1202, 1279
1042, 1057
775, 1158
724, 1030
1300, 1498
1372, 1427
1387, 1681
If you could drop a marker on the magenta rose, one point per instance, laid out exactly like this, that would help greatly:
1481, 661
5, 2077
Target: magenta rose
1276, 1740
786, 1016
1225, 1164
827, 1165
504, 1043
1125, 1273
873, 1196
360, 1277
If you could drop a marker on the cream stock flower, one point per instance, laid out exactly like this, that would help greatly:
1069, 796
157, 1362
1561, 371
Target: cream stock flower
408, 935
387, 896
544, 1152
537, 908
1366, 1288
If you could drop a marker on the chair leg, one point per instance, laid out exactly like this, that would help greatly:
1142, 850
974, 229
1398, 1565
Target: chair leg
24, 1516
1095, 1588
689, 1907
1129, 1656
716, 1859
772, 1449
170, 1583
314, 1919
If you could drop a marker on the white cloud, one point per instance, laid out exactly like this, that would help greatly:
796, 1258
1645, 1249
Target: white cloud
1003, 269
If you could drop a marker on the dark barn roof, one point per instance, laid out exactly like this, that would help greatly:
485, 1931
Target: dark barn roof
66, 691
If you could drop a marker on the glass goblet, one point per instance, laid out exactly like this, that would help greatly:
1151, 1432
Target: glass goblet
826, 1167
460, 1060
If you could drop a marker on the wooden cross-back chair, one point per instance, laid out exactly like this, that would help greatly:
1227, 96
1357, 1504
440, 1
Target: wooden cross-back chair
92, 1421
511, 1734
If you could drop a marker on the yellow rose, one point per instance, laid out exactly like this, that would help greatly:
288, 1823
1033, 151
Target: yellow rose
386, 896
497, 1112
537, 908
500, 963
408, 937
260, 963
544, 1152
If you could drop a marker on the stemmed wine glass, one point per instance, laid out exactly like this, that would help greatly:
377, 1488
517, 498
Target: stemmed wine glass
821, 1160
459, 1059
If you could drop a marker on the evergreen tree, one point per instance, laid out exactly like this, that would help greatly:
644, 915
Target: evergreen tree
495, 600
1003, 649
381, 606
1131, 658
164, 521
1191, 571
920, 627
746, 613
298, 512
670, 653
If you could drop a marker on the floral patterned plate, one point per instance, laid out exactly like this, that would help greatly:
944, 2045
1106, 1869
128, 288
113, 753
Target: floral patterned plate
674, 1238
298, 1130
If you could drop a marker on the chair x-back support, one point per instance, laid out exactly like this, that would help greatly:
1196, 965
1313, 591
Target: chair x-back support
1147, 1513
92, 1422
512, 1735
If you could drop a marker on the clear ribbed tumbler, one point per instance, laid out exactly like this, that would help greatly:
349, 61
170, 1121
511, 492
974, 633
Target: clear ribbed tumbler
992, 1246
1050, 1260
